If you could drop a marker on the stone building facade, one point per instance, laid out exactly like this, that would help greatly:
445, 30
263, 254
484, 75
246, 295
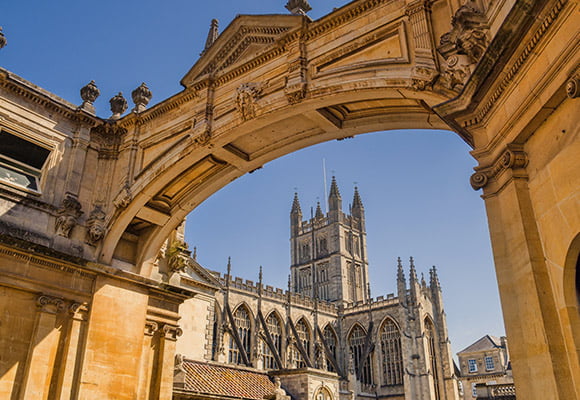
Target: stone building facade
326, 327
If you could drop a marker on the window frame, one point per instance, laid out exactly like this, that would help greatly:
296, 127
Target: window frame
472, 365
489, 359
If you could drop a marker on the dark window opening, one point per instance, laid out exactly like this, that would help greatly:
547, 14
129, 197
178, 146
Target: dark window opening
21, 161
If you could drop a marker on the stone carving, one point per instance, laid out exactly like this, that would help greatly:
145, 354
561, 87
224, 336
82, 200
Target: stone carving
246, 97
463, 46
68, 214
212, 35
118, 105
89, 94
177, 256
151, 327
96, 225
573, 87
49, 303
124, 198
279, 393
141, 97
108, 136
298, 7
512, 158
3, 40
425, 71
171, 332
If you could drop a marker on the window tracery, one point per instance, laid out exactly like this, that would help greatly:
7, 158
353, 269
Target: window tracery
244, 329
275, 329
391, 352
304, 337
356, 342
331, 342
430, 337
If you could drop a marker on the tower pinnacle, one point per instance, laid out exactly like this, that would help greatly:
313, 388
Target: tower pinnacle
296, 205
334, 199
212, 35
319, 214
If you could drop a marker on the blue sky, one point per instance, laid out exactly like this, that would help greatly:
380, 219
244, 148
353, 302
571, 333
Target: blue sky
414, 184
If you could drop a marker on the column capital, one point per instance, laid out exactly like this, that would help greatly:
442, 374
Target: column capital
49, 304
512, 158
171, 332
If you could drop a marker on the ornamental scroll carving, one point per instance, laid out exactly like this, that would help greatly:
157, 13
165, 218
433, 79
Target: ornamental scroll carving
463, 46
49, 304
512, 158
425, 70
246, 99
68, 215
171, 332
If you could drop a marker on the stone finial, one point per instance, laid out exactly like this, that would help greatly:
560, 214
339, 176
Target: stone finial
141, 97
318, 214
194, 256
212, 35
89, 94
3, 40
118, 105
298, 7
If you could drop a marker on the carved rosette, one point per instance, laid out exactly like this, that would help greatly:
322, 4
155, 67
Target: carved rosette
108, 137
141, 97
463, 46
118, 105
96, 225
513, 158
68, 215
246, 99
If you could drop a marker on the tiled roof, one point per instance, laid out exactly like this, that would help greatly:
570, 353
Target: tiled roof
218, 380
487, 342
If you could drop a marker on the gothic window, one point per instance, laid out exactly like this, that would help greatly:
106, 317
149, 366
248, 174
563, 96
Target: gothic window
331, 343
243, 326
348, 242
275, 329
305, 278
356, 245
21, 161
391, 353
304, 337
356, 342
322, 247
431, 347
352, 281
305, 251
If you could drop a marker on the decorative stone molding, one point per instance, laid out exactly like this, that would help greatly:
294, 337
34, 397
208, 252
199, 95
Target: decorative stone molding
463, 46
89, 94
425, 71
512, 158
124, 198
171, 332
96, 225
108, 137
151, 327
177, 256
68, 215
118, 106
49, 304
141, 97
246, 98
573, 86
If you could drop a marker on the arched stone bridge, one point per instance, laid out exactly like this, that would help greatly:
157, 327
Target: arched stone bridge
504, 75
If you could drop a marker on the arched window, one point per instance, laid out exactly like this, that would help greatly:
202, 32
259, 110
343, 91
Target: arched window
243, 325
275, 329
323, 394
331, 342
304, 337
430, 337
356, 342
392, 361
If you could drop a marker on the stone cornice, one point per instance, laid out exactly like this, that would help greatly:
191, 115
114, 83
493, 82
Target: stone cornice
29, 91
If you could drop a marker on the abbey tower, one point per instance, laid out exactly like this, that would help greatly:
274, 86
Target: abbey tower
328, 252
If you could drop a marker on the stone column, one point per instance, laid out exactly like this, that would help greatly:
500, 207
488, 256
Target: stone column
69, 370
42, 351
525, 287
147, 359
166, 361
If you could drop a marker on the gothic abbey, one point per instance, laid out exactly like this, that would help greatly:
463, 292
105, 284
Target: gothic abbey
325, 333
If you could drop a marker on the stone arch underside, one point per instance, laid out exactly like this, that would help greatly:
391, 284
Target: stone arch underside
268, 86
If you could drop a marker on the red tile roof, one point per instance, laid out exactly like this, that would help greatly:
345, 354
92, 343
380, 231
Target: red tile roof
219, 380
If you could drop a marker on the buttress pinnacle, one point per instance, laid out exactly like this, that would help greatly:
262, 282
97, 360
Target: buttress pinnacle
212, 35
